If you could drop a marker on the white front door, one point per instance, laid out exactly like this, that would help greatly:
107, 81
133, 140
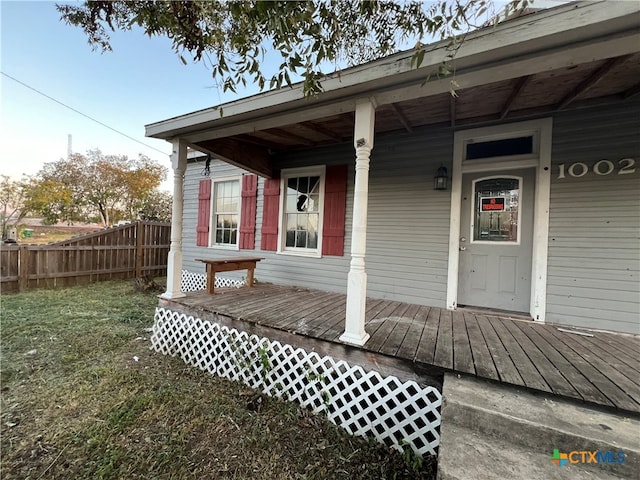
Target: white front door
496, 239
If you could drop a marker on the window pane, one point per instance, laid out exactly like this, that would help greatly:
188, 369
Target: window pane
218, 236
234, 237
500, 148
496, 210
219, 221
313, 203
291, 238
314, 185
233, 221
312, 240
301, 239
235, 189
312, 223
226, 236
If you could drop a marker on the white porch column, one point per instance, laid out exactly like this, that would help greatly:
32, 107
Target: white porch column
354, 332
174, 262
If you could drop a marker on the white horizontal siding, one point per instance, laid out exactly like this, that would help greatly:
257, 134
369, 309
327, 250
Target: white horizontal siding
594, 228
408, 221
594, 236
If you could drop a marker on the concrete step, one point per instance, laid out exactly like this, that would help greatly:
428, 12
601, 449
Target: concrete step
533, 425
467, 455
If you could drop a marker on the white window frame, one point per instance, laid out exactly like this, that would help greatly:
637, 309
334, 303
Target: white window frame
472, 216
285, 175
212, 213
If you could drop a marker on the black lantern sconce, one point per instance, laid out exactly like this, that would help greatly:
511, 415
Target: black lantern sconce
441, 179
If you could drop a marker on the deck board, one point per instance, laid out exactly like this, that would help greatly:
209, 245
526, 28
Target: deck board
396, 338
603, 369
426, 352
482, 360
558, 383
572, 366
444, 344
462, 358
386, 328
412, 338
506, 370
603, 376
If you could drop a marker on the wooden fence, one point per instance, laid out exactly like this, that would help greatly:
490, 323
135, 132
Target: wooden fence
128, 251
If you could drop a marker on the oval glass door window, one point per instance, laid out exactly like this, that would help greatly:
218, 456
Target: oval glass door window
496, 210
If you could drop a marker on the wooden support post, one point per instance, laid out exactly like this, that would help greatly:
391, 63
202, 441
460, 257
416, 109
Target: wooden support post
174, 260
139, 248
23, 262
354, 332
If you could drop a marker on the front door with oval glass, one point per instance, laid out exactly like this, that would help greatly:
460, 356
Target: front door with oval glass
496, 238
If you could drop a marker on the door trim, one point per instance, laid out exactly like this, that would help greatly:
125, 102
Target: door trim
541, 160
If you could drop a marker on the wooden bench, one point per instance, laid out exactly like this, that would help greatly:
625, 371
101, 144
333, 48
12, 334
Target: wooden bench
228, 265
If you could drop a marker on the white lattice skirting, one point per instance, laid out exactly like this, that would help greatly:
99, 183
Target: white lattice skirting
361, 402
194, 282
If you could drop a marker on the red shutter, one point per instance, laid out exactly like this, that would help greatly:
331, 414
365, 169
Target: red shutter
335, 205
269, 239
248, 216
204, 213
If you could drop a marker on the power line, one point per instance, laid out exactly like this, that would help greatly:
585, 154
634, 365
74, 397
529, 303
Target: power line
80, 113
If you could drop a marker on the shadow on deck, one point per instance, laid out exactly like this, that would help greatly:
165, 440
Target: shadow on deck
415, 341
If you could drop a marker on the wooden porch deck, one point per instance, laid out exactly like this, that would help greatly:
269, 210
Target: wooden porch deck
603, 369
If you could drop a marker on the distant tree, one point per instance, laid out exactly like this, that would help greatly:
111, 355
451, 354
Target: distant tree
113, 187
53, 200
233, 36
12, 203
157, 207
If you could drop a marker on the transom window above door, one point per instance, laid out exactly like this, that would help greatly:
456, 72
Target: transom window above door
496, 210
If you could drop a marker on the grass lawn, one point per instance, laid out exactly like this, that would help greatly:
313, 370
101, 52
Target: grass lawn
83, 397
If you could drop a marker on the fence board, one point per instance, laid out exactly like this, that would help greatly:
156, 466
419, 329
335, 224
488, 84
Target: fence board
121, 252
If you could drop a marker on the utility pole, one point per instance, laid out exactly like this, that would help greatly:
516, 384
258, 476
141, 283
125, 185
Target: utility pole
69, 151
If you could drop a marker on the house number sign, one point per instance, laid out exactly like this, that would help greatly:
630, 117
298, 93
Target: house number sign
624, 166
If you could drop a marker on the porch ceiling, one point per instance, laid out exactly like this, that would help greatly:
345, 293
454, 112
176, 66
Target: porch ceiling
603, 81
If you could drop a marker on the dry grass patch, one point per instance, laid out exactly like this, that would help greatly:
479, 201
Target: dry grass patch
83, 397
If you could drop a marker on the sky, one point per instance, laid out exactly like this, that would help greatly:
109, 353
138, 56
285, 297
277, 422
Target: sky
140, 82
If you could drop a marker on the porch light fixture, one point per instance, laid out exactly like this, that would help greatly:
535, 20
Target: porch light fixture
441, 178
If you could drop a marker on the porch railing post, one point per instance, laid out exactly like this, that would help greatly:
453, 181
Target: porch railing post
354, 332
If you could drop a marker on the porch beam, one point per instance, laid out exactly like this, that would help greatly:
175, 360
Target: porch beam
174, 259
322, 131
591, 80
631, 92
243, 155
518, 85
354, 332
259, 141
281, 133
401, 117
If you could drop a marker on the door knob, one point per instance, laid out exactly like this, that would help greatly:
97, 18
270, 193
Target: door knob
462, 248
